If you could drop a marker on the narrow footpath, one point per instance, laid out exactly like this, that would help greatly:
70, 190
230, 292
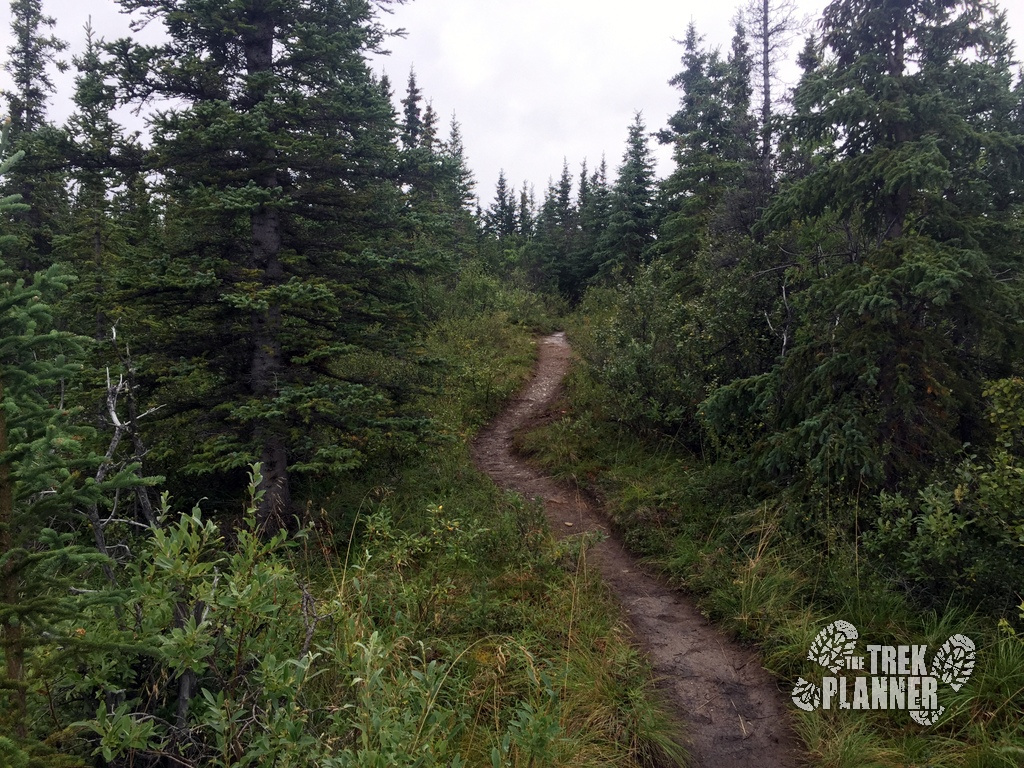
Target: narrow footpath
733, 712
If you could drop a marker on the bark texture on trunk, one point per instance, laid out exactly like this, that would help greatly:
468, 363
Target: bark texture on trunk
267, 370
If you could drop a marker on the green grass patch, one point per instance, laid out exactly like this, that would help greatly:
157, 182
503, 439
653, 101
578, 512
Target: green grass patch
447, 569
690, 520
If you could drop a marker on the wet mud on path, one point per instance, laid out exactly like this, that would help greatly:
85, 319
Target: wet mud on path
733, 712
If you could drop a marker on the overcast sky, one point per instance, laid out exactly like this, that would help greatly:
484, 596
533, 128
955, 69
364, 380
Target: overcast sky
536, 81
530, 81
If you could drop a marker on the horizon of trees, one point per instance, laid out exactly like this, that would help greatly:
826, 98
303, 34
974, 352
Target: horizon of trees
826, 299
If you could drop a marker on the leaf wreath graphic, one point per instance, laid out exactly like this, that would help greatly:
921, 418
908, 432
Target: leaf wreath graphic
954, 661
833, 645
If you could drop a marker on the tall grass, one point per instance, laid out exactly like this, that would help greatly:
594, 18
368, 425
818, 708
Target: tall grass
465, 595
773, 587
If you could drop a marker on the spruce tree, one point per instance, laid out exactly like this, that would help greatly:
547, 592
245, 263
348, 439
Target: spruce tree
428, 137
741, 199
500, 217
279, 166
905, 287
525, 212
33, 53
102, 158
457, 184
39, 178
47, 472
438, 230
550, 252
713, 138
542, 253
412, 123
593, 201
461, 182
631, 226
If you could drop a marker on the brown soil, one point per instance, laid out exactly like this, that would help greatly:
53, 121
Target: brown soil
732, 710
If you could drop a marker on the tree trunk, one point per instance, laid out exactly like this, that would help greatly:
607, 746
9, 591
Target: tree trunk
14, 652
267, 368
766, 101
897, 203
272, 512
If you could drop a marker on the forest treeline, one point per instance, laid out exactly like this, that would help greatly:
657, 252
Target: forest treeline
282, 303
825, 292
240, 355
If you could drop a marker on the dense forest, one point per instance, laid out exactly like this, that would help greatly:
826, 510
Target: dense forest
829, 297
242, 354
824, 295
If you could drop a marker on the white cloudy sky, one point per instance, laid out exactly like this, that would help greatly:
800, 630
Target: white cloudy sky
536, 81
531, 81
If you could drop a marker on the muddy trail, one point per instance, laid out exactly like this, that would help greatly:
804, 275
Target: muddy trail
732, 711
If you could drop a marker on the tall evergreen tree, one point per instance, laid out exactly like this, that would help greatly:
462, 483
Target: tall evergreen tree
278, 160
583, 188
95, 238
714, 148
525, 213
457, 185
39, 179
632, 221
461, 178
437, 227
33, 53
908, 218
741, 199
428, 137
500, 217
551, 250
412, 113
420, 162
593, 204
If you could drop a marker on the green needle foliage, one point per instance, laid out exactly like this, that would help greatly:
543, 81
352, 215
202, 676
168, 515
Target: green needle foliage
278, 262
905, 307
48, 476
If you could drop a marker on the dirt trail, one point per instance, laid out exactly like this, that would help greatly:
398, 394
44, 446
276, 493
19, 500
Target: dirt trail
733, 711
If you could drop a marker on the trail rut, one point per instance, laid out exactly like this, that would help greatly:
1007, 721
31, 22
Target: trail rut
732, 711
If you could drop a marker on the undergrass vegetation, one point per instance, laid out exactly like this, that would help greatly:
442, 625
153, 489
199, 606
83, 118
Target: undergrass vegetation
423, 618
451, 574
752, 570
466, 592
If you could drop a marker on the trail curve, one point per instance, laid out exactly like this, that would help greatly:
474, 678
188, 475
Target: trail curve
733, 713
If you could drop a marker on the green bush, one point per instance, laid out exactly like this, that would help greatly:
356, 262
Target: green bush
964, 534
